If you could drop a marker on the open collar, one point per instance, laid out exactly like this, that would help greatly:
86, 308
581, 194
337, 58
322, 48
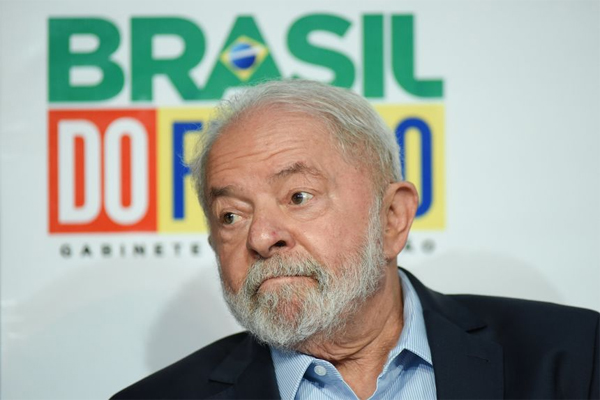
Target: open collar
290, 366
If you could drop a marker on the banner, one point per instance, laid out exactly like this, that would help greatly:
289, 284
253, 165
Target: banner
106, 273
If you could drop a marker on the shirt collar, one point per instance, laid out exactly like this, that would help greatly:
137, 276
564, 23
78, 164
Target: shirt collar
290, 366
414, 334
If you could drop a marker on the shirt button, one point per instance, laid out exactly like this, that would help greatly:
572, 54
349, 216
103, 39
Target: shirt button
320, 370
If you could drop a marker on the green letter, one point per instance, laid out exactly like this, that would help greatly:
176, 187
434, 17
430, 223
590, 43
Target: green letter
403, 60
144, 67
373, 56
61, 59
342, 66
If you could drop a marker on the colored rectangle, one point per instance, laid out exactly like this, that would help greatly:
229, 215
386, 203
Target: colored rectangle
419, 130
178, 132
102, 170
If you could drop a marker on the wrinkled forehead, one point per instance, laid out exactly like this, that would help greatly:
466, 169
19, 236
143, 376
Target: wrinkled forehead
268, 149
265, 112
266, 124
330, 128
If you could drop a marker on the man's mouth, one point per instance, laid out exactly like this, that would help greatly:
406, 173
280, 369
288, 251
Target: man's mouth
283, 280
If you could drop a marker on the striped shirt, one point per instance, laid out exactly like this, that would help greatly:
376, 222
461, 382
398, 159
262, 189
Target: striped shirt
407, 373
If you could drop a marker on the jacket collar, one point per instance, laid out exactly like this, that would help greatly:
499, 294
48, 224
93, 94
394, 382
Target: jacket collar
248, 369
466, 362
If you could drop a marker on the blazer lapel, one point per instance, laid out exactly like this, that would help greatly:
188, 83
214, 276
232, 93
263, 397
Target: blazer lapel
249, 372
467, 363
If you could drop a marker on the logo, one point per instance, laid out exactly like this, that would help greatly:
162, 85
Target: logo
243, 57
126, 170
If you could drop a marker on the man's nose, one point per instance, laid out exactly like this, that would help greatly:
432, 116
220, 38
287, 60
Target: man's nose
269, 234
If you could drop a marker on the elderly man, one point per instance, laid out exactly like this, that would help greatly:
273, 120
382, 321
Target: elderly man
301, 186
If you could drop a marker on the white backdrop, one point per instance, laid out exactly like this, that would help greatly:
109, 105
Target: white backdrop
520, 159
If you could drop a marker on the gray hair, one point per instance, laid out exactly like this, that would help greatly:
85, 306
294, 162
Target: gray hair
359, 132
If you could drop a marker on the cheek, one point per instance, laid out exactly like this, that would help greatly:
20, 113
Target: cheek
234, 266
334, 239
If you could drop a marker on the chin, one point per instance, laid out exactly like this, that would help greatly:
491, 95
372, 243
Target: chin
287, 302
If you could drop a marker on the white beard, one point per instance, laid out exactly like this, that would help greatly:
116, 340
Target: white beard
308, 310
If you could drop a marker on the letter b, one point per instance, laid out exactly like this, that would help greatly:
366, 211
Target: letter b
61, 59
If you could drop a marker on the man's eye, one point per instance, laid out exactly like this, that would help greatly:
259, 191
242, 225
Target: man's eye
300, 198
229, 218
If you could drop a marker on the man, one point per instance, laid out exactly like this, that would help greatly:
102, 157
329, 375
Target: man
301, 186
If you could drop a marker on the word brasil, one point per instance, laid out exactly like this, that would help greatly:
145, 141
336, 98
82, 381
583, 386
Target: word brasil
244, 57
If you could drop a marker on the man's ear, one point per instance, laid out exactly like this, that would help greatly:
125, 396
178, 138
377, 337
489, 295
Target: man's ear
210, 242
399, 207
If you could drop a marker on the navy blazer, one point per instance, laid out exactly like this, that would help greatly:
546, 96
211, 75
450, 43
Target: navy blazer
482, 348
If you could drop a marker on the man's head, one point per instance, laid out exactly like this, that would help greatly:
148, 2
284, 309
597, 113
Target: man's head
300, 183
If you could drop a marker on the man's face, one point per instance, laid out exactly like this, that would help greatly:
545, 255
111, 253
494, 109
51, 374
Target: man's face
290, 222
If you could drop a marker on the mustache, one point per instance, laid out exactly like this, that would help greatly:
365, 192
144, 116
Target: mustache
284, 265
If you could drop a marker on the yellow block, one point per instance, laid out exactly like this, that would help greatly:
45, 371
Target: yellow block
434, 218
193, 220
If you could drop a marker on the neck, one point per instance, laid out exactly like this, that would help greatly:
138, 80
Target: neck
361, 350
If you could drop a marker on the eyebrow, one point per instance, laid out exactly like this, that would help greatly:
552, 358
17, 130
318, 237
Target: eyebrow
296, 168
216, 192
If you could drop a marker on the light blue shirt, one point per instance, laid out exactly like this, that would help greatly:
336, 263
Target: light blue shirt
407, 373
